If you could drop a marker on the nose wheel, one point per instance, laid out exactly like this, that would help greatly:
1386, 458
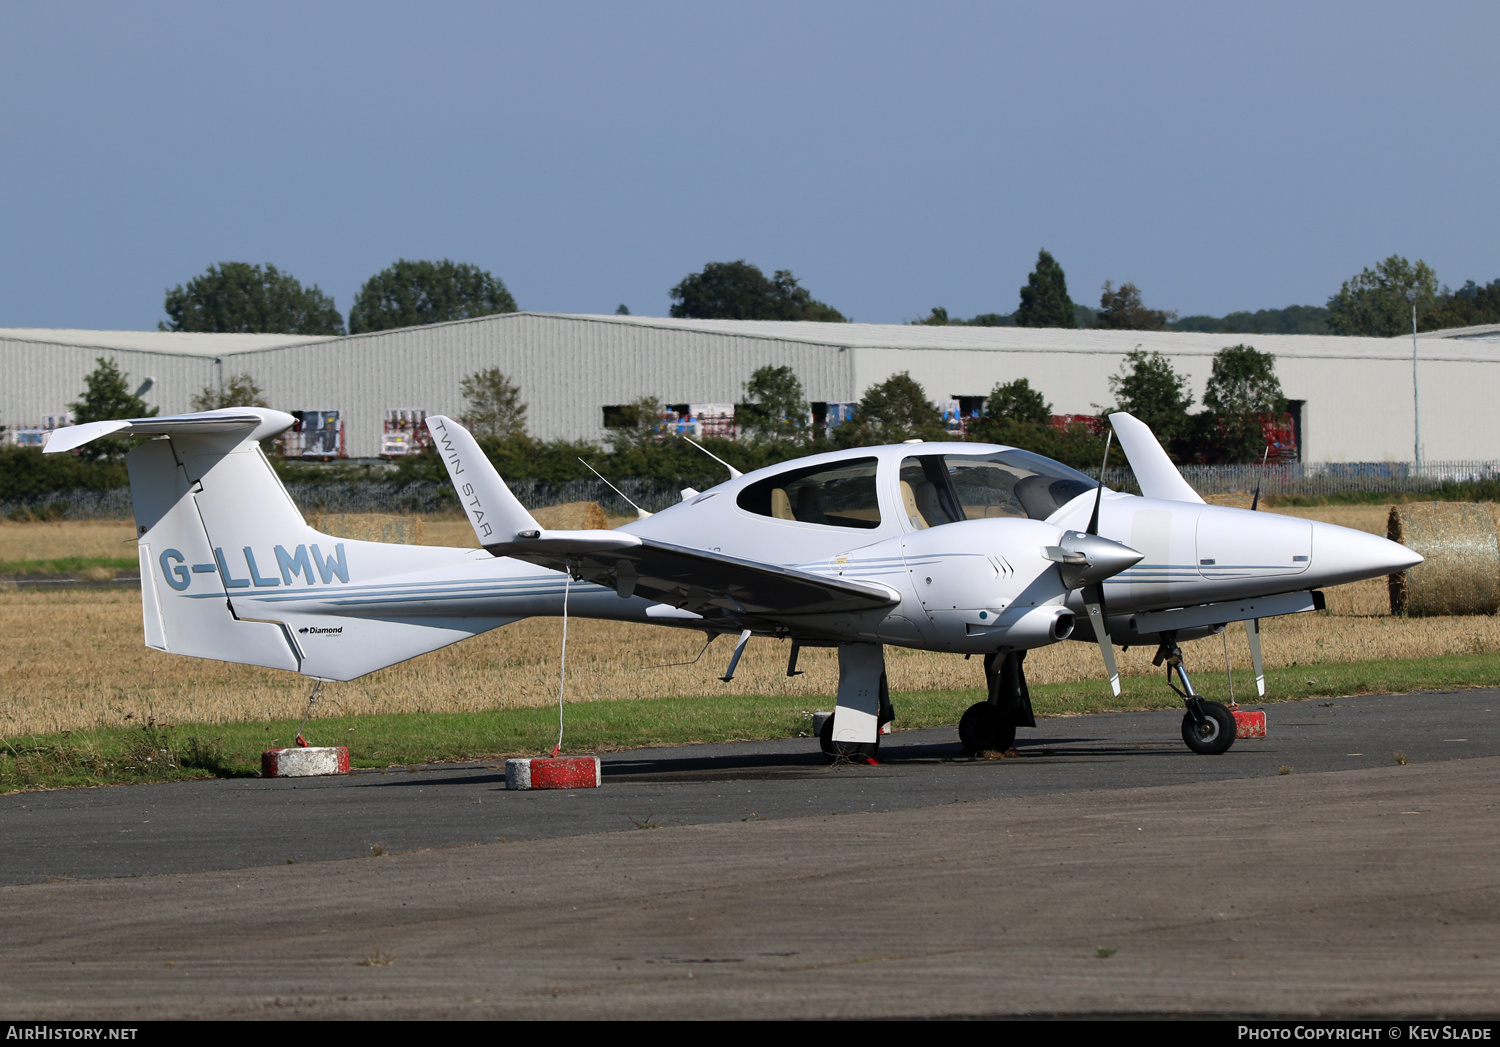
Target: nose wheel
1207, 727
1212, 734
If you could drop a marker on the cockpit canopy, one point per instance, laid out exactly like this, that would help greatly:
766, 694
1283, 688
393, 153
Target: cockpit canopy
944, 488
935, 489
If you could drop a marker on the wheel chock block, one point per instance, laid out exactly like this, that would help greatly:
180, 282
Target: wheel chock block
304, 762
553, 772
1249, 725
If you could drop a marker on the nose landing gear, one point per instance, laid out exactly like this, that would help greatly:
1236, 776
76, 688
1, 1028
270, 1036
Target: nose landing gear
1208, 728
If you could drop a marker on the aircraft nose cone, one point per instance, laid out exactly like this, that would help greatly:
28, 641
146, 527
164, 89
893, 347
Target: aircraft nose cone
1106, 558
1340, 555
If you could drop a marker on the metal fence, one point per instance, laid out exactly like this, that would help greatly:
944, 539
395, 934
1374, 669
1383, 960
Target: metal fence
1308, 480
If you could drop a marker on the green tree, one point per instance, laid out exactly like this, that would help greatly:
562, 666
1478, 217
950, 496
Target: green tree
107, 396
411, 293
1470, 305
240, 391
1376, 302
1294, 319
1017, 402
236, 297
740, 291
1044, 299
895, 410
1121, 310
1151, 390
1242, 389
493, 409
776, 407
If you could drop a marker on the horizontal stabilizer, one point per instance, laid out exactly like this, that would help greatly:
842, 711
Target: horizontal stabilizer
1153, 470
255, 423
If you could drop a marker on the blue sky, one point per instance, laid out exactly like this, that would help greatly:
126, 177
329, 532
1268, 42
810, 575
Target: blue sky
893, 156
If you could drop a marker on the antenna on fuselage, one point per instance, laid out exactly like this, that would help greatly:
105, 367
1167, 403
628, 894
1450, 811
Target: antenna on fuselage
734, 474
1099, 492
640, 513
1254, 502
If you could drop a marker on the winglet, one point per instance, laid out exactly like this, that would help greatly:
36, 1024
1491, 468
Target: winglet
1154, 471
496, 515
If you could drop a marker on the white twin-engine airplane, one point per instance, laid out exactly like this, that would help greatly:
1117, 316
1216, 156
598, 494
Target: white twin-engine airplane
962, 547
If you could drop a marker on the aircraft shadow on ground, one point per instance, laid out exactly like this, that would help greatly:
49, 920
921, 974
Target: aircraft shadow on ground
812, 763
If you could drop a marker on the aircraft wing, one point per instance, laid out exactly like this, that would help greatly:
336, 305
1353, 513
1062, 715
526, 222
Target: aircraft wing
705, 582
708, 583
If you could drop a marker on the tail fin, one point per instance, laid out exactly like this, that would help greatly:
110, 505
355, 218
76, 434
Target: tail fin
231, 571
1153, 470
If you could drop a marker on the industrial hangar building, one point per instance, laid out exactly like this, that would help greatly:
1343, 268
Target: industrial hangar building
1351, 397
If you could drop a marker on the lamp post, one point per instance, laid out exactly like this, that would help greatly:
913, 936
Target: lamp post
1416, 418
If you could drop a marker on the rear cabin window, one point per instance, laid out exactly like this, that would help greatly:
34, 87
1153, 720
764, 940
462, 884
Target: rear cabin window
940, 489
838, 495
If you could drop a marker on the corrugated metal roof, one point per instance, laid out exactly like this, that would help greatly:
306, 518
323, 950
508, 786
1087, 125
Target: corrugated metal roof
1471, 344
1459, 345
177, 343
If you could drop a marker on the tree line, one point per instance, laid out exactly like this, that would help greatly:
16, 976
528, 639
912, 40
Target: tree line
238, 297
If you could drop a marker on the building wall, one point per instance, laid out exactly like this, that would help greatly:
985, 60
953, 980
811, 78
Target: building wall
1357, 409
1358, 391
39, 378
567, 370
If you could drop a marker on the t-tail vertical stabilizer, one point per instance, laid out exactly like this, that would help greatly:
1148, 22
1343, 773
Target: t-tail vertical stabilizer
231, 571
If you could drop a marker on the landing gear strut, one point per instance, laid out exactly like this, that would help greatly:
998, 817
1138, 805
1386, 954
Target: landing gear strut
864, 705
992, 724
1207, 727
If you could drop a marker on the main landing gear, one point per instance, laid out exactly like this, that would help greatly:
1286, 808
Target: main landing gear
864, 705
1207, 727
991, 724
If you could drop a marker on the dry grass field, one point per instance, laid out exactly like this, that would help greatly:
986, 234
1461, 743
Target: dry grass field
111, 539
72, 659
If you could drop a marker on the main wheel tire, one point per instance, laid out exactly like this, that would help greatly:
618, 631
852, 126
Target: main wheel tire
855, 752
1214, 735
984, 727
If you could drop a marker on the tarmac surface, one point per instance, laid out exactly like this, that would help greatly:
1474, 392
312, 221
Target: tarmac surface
1104, 871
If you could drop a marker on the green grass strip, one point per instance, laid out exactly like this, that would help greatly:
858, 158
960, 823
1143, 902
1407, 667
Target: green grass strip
68, 565
120, 755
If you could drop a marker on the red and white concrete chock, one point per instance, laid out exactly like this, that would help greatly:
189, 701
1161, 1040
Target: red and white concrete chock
553, 772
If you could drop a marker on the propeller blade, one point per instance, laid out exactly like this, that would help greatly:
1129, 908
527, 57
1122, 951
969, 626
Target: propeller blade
1093, 600
1252, 633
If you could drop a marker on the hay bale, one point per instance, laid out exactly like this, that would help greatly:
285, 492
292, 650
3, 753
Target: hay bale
371, 527
1461, 574
572, 516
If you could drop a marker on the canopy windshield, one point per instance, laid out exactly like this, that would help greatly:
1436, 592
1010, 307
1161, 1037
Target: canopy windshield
944, 488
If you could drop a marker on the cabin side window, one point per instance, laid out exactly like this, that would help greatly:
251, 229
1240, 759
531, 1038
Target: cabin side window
941, 489
842, 494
